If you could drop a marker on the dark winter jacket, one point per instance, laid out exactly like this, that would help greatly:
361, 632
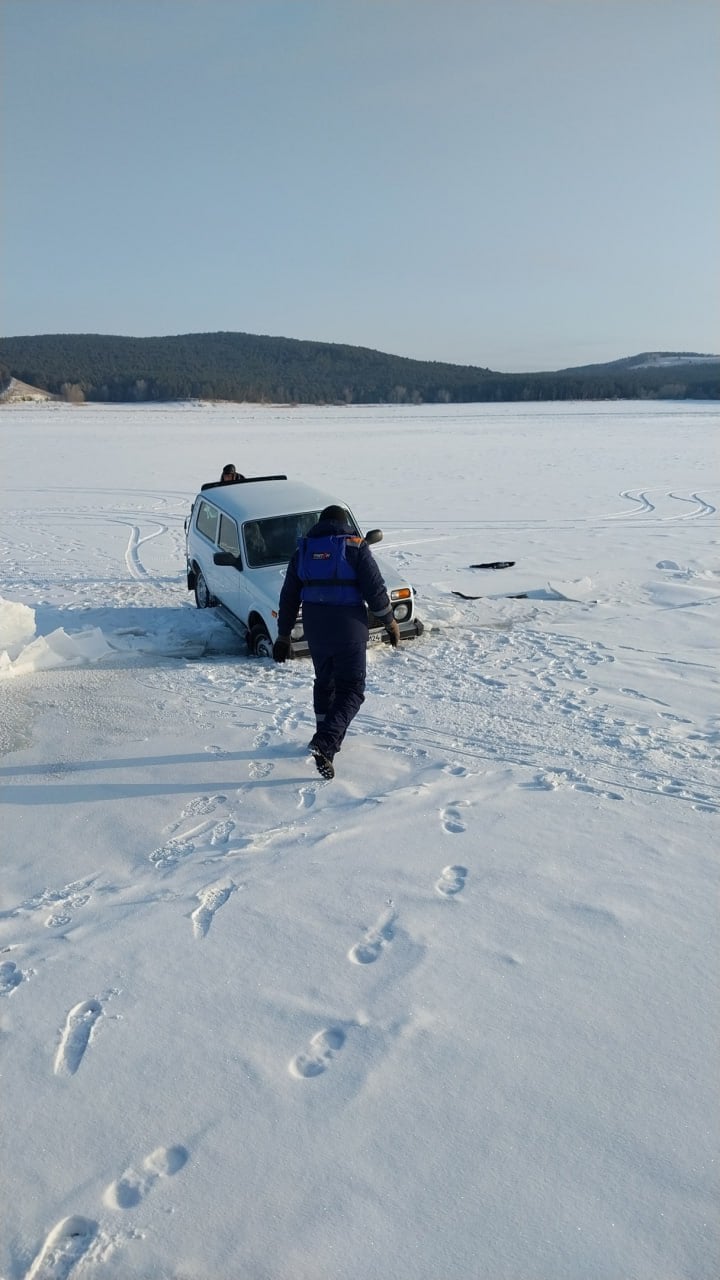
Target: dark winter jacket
361, 562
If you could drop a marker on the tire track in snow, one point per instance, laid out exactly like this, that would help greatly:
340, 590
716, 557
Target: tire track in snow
645, 507
136, 568
703, 508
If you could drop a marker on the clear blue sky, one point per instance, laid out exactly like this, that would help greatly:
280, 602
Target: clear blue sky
521, 184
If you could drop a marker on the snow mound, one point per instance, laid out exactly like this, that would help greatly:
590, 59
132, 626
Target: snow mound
17, 627
58, 649
171, 633
22, 651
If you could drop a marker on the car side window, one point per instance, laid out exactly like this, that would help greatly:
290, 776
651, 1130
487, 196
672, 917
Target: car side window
228, 539
206, 520
255, 547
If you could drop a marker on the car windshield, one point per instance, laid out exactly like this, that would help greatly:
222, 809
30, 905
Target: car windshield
274, 540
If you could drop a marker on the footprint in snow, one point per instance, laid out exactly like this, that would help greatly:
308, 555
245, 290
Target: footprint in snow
66, 1244
64, 912
452, 822
170, 853
452, 881
71, 896
369, 950
10, 977
222, 831
134, 1184
259, 769
323, 1047
202, 805
76, 1035
211, 900
307, 796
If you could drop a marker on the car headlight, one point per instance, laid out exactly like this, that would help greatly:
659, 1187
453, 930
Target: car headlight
401, 612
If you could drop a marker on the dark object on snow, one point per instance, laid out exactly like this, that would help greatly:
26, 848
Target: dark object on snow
218, 484
494, 564
521, 595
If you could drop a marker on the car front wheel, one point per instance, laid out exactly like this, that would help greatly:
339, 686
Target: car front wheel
203, 599
259, 642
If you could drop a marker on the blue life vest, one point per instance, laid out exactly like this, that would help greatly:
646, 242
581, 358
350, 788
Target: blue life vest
323, 569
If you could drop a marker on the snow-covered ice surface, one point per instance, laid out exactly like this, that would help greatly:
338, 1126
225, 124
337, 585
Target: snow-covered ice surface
452, 1016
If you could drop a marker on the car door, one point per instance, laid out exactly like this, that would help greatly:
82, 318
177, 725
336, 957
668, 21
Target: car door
229, 579
206, 522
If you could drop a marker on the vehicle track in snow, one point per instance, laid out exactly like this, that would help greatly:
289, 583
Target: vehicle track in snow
649, 509
136, 568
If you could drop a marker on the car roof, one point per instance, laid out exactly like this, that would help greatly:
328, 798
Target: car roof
256, 500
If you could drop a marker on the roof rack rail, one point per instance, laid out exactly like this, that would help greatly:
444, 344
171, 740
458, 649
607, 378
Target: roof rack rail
223, 484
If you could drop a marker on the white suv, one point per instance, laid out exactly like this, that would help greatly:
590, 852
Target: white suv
239, 539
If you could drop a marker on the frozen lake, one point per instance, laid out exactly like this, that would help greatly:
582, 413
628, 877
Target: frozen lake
452, 1016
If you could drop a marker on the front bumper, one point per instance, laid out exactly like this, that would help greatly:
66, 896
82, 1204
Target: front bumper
408, 631
378, 635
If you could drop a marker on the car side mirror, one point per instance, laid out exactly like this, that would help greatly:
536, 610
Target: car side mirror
374, 535
227, 559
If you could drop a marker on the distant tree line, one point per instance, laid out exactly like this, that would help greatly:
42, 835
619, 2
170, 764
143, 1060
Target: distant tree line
258, 369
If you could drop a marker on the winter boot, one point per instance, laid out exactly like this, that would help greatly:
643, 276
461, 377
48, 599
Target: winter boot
323, 764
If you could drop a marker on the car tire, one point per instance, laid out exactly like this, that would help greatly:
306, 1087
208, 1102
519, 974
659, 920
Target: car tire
259, 643
203, 599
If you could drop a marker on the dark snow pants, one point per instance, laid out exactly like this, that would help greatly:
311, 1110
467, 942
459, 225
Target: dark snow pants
337, 636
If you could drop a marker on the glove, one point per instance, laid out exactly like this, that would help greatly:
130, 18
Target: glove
393, 631
282, 648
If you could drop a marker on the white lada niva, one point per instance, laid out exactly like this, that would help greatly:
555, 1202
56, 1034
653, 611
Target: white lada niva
239, 539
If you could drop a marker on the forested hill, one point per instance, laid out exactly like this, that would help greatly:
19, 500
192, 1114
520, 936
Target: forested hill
249, 367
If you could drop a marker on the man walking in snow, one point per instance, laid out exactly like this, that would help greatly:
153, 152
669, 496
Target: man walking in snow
333, 574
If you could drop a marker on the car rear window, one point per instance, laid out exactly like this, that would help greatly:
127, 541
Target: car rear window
206, 520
